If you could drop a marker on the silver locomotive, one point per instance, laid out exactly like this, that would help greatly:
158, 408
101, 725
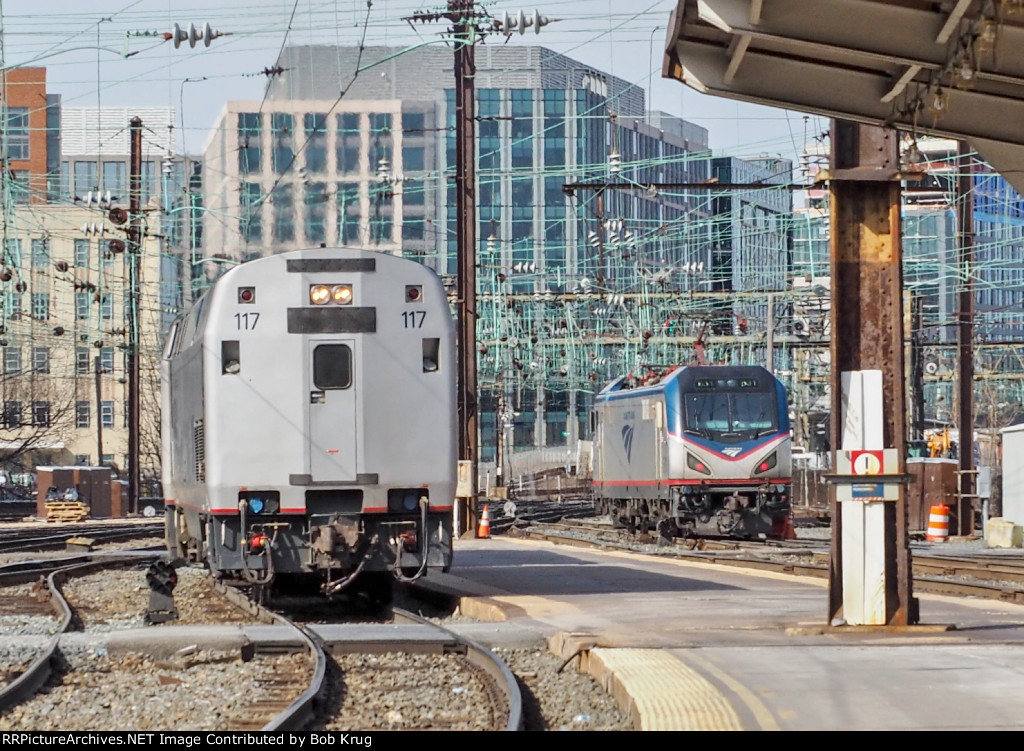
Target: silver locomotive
701, 450
309, 422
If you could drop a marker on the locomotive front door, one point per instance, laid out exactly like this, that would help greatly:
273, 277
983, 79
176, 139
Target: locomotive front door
332, 411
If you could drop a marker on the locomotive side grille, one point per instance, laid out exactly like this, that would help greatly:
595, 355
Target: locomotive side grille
199, 450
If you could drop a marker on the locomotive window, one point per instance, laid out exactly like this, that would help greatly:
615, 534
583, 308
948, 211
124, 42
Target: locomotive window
170, 348
748, 413
332, 366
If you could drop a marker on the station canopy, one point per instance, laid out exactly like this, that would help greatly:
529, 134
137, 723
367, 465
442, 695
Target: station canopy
953, 69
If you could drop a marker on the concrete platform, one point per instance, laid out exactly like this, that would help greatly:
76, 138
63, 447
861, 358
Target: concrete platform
686, 645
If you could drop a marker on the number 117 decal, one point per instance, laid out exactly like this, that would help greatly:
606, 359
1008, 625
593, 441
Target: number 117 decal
413, 319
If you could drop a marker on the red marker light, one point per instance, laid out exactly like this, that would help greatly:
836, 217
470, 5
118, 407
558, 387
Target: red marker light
764, 467
700, 466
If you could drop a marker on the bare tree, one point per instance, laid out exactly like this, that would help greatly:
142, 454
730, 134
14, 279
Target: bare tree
36, 414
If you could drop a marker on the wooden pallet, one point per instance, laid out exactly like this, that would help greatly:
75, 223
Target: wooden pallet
66, 511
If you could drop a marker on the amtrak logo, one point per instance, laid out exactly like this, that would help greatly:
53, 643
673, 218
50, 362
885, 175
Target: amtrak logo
732, 452
627, 441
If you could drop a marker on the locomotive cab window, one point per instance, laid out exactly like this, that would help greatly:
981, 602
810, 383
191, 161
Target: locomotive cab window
332, 366
743, 414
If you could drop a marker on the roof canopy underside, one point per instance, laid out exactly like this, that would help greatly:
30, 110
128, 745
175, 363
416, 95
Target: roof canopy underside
953, 68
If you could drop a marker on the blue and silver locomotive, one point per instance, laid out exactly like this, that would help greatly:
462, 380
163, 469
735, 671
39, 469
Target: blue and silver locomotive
695, 451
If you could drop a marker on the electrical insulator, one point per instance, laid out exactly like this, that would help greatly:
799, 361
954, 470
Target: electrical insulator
614, 162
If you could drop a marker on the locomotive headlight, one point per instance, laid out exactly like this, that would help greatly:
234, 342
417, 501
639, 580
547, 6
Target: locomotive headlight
766, 464
409, 501
341, 294
694, 463
256, 505
319, 294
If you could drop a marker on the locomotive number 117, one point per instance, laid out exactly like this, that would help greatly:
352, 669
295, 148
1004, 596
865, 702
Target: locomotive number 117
413, 319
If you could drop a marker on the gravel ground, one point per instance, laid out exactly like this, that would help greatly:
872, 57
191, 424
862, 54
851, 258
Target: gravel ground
119, 598
394, 692
408, 691
97, 691
569, 700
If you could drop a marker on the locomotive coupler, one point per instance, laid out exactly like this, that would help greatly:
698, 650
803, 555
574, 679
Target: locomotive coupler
336, 544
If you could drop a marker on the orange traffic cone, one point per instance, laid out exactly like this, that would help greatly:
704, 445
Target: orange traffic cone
483, 532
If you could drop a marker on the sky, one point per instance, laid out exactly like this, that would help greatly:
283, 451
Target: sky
109, 53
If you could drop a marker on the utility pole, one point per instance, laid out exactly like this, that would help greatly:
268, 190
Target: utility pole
134, 253
461, 12
965, 342
468, 25
99, 413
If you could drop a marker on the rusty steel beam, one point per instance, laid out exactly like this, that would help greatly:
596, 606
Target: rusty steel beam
964, 519
867, 328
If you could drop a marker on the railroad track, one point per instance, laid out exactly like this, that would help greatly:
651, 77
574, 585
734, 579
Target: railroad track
935, 573
39, 671
362, 652
36, 538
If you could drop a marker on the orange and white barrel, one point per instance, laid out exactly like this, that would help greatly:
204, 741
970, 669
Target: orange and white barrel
938, 524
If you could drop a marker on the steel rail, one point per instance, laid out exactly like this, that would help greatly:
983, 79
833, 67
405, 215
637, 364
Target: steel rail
985, 577
485, 659
38, 673
298, 714
101, 534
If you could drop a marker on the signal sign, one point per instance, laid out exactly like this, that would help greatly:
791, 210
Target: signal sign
866, 462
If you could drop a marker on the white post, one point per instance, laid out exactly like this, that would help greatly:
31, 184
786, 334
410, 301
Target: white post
863, 521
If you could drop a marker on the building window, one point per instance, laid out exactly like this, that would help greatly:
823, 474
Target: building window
81, 253
82, 360
413, 123
114, 179
107, 359
41, 414
347, 151
41, 306
107, 306
107, 414
316, 143
413, 159
284, 214
17, 133
250, 134
12, 360
12, 414
348, 214
148, 187
85, 177
82, 414
380, 226
316, 212
283, 126
251, 227
380, 140
82, 460
41, 359
20, 188
82, 305
12, 247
